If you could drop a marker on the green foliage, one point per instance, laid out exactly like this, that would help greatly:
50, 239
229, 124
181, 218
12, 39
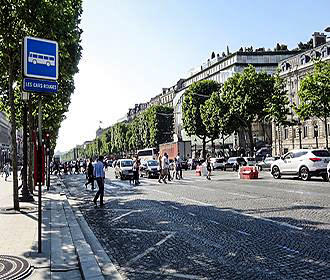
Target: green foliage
194, 98
277, 105
314, 95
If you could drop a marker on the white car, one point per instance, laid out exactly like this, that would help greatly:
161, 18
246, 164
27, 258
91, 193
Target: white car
250, 161
217, 163
124, 169
303, 163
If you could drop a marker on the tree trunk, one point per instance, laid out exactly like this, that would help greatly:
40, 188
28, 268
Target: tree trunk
251, 139
204, 147
223, 145
31, 150
13, 135
274, 154
326, 133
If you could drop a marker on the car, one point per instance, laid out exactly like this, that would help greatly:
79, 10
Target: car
250, 161
234, 163
109, 162
217, 163
192, 163
124, 169
114, 163
150, 168
266, 163
262, 153
303, 163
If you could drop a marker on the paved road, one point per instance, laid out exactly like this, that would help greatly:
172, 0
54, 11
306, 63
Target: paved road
225, 228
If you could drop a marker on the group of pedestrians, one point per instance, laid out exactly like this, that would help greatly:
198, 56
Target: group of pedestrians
165, 168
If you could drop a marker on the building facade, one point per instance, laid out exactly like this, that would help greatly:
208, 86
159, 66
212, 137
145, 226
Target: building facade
309, 133
219, 69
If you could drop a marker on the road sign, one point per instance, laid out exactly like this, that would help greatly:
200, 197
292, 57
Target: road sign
41, 86
40, 58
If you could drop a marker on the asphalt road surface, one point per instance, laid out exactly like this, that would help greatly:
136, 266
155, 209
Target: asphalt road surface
225, 228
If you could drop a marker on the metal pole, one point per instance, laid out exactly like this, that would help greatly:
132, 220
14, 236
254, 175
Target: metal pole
40, 174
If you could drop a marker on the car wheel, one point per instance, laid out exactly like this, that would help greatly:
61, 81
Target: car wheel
304, 173
276, 172
325, 178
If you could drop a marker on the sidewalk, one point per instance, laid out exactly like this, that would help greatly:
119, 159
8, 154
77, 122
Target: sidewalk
65, 252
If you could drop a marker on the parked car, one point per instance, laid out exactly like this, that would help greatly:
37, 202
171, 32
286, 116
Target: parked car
266, 163
124, 169
302, 163
234, 163
150, 168
217, 163
250, 161
192, 163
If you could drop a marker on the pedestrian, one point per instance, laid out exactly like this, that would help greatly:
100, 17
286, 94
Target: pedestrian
90, 174
6, 169
179, 166
136, 169
165, 166
208, 167
99, 176
76, 168
160, 168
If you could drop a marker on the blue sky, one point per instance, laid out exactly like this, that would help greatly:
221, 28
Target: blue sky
134, 48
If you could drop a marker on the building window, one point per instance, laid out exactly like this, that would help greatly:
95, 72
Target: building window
305, 131
286, 133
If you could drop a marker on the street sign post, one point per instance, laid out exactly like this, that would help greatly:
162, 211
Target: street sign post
40, 58
40, 73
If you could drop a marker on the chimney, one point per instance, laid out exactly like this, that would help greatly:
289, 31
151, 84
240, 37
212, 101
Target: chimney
319, 39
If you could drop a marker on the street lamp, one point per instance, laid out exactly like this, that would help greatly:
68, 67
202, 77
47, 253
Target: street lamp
195, 140
316, 134
299, 131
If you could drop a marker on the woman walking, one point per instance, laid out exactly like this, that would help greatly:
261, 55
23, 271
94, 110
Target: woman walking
208, 167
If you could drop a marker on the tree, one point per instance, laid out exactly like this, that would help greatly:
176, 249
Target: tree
196, 96
314, 95
277, 108
247, 93
55, 20
215, 117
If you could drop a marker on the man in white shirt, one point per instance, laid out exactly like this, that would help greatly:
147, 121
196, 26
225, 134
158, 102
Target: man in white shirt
165, 165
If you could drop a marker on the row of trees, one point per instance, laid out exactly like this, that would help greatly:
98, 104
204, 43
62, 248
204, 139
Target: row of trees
152, 127
53, 20
211, 110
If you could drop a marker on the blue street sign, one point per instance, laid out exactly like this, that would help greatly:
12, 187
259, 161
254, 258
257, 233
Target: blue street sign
40, 58
41, 86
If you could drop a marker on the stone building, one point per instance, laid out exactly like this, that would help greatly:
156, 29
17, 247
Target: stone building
219, 69
309, 133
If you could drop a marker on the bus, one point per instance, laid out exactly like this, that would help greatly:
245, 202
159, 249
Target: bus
38, 58
147, 154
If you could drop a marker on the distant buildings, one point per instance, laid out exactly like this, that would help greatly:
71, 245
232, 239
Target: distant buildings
310, 133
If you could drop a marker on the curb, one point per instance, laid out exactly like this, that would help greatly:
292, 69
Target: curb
94, 261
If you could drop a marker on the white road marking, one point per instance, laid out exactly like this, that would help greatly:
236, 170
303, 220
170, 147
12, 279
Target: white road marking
160, 192
192, 214
196, 201
126, 214
143, 230
214, 222
176, 208
240, 194
146, 252
166, 272
262, 218
243, 232
288, 249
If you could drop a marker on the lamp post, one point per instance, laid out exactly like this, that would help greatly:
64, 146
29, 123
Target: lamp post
195, 140
299, 131
316, 134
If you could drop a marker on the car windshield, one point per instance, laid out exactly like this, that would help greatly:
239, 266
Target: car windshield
232, 159
321, 153
152, 162
126, 163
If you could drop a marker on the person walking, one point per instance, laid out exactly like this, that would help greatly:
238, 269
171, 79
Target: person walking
160, 168
179, 166
6, 169
165, 166
99, 176
208, 167
90, 174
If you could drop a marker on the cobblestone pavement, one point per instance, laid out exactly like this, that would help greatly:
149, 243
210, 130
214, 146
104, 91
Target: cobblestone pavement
225, 228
